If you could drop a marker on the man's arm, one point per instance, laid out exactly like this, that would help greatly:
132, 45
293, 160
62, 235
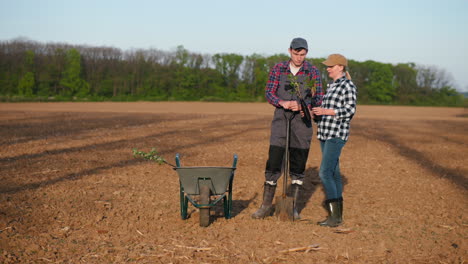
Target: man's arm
317, 97
272, 86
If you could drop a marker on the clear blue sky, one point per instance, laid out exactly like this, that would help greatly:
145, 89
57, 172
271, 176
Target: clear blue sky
426, 32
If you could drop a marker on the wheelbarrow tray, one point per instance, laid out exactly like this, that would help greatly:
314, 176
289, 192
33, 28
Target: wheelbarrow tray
217, 178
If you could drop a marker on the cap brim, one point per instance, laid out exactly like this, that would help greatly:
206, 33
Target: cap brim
327, 63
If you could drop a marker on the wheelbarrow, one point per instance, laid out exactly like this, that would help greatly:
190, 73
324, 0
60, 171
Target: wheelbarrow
209, 184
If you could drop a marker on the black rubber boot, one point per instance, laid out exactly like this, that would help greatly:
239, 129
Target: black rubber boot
340, 204
334, 218
267, 204
325, 205
295, 193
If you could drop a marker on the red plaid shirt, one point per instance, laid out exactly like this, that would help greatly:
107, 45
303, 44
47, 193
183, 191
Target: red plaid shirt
283, 68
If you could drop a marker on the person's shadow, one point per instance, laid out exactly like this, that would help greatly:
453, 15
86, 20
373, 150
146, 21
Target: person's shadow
310, 185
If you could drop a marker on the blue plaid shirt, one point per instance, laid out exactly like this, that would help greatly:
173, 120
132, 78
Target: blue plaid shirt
340, 96
283, 68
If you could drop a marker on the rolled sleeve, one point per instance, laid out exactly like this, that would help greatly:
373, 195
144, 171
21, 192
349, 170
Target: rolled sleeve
317, 97
272, 87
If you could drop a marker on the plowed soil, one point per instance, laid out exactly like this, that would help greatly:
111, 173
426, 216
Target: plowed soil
71, 191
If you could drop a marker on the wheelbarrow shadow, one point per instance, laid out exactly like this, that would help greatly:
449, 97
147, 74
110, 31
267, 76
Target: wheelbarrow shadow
217, 211
237, 207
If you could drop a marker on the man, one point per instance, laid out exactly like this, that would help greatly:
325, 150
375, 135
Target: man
281, 92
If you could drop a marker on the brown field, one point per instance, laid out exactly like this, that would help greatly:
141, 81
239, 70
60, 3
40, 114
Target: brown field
71, 191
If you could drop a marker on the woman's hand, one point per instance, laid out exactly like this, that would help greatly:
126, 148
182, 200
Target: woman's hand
322, 111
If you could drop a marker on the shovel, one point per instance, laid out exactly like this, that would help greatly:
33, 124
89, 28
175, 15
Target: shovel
285, 205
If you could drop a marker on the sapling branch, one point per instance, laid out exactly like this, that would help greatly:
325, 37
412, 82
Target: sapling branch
309, 86
297, 90
152, 155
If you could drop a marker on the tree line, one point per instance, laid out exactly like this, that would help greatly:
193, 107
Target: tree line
32, 71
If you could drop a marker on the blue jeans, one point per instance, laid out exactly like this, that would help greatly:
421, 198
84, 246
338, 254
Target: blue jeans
330, 167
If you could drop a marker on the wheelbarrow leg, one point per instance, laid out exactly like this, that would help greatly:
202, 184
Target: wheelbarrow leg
228, 198
183, 203
204, 211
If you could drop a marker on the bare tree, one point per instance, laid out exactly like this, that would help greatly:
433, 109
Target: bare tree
432, 77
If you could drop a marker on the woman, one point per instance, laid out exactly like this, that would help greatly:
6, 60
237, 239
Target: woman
337, 110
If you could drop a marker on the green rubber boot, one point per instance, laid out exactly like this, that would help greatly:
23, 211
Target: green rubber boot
334, 218
267, 204
295, 193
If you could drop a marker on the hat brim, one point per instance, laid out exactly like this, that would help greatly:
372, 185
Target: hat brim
328, 63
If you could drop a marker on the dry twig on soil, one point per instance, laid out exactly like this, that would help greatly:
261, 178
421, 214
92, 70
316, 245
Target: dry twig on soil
8, 227
306, 249
344, 231
447, 226
195, 248
139, 232
151, 256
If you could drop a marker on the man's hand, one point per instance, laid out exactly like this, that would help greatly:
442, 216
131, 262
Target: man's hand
291, 105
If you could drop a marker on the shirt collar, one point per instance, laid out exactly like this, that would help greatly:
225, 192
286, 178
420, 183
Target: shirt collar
341, 79
306, 66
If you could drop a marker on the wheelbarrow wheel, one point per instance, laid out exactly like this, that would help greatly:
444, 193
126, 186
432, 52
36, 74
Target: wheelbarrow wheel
204, 211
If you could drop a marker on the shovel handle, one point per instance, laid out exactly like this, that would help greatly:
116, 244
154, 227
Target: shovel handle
286, 156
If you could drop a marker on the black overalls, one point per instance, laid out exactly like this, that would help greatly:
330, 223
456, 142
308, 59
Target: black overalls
300, 135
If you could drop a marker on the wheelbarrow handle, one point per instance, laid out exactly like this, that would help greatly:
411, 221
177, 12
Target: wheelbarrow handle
234, 163
177, 160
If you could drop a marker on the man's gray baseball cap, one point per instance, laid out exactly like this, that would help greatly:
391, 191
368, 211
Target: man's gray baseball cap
299, 43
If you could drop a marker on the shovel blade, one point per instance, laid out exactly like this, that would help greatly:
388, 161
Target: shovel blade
284, 209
